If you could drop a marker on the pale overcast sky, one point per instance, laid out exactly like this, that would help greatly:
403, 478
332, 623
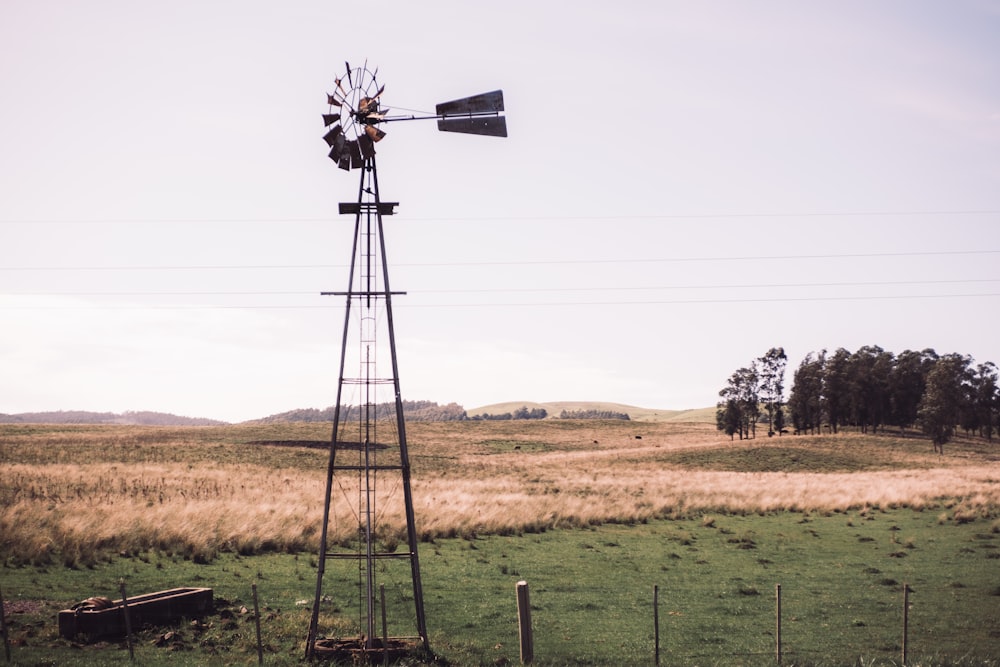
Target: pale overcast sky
685, 185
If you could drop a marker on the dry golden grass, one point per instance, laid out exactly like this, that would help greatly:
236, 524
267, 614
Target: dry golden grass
77, 493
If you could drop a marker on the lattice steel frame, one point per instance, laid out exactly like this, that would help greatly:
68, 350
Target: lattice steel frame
369, 266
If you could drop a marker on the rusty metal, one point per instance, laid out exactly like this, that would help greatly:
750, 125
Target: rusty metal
333, 135
355, 151
367, 146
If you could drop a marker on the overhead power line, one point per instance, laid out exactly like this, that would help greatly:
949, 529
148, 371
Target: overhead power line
526, 304
542, 262
505, 218
679, 302
514, 290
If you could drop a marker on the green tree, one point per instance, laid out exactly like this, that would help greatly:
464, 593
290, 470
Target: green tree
749, 398
771, 376
907, 383
869, 373
805, 400
981, 412
836, 389
940, 408
727, 415
739, 409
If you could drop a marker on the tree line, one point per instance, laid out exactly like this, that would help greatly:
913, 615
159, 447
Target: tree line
593, 414
521, 413
412, 410
868, 389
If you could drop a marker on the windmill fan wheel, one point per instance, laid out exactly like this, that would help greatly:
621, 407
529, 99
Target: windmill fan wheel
354, 116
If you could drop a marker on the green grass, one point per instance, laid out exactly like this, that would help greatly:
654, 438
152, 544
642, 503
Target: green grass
841, 571
775, 458
811, 454
591, 593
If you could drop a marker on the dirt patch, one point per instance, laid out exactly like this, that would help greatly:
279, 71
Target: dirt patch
22, 607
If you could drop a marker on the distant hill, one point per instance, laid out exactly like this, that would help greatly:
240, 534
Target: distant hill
414, 410
555, 408
424, 411
125, 418
430, 411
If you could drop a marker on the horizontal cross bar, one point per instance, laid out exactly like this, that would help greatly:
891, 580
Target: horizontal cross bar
360, 293
403, 554
382, 380
383, 207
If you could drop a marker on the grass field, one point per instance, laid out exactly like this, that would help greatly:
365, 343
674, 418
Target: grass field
592, 514
554, 408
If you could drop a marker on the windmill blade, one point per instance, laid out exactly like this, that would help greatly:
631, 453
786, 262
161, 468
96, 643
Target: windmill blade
338, 148
374, 133
354, 154
331, 137
367, 145
331, 99
491, 126
330, 118
491, 102
348, 66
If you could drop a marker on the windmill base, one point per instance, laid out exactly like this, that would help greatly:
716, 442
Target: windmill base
360, 652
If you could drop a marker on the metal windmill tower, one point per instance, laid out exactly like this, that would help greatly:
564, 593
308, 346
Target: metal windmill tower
368, 494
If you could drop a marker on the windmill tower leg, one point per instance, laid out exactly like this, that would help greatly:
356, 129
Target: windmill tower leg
369, 460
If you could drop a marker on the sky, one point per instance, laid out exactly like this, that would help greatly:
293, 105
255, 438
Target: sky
685, 185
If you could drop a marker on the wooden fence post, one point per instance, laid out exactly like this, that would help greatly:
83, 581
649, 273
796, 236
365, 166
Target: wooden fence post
656, 625
256, 618
128, 621
3, 629
524, 623
777, 622
385, 626
906, 621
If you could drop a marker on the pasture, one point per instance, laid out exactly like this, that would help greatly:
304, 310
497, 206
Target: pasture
591, 514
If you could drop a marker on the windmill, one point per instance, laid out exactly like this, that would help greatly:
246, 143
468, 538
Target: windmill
368, 492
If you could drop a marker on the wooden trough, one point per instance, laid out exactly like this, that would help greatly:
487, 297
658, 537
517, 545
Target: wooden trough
160, 608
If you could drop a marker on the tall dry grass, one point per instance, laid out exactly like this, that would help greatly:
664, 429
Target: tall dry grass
77, 495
